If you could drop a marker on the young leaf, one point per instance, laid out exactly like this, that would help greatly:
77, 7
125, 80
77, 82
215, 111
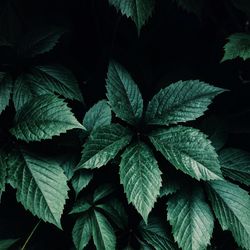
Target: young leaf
191, 219
43, 117
141, 177
81, 179
231, 205
192, 6
5, 90
40, 183
188, 150
82, 231
235, 164
103, 233
138, 10
97, 116
103, 145
123, 94
181, 102
237, 46
6, 244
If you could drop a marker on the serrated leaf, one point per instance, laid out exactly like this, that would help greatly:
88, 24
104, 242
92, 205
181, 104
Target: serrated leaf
231, 206
140, 177
40, 183
97, 116
5, 244
138, 10
81, 180
237, 46
5, 90
68, 163
43, 117
103, 233
170, 186
189, 150
155, 234
123, 94
81, 206
181, 102
103, 145
39, 41
82, 231
192, 6
235, 164
191, 219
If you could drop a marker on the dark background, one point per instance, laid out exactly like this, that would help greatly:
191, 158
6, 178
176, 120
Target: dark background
174, 45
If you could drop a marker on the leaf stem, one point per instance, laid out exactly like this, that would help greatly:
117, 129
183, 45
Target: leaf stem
30, 235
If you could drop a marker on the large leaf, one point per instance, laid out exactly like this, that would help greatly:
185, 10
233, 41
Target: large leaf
41, 185
138, 10
188, 150
97, 116
123, 94
155, 234
191, 219
42, 118
7, 243
237, 46
193, 6
81, 179
235, 164
141, 177
180, 102
5, 90
103, 145
231, 205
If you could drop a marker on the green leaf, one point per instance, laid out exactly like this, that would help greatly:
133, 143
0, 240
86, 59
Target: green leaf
39, 41
181, 102
237, 46
192, 6
103, 145
68, 163
40, 183
6, 244
5, 90
81, 206
170, 185
155, 234
102, 192
123, 94
42, 118
103, 233
188, 150
81, 180
235, 164
3, 170
138, 10
191, 219
97, 116
82, 231
141, 177
231, 205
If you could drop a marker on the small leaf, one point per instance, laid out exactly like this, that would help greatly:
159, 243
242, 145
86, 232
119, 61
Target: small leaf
103, 145
6, 244
81, 179
141, 177
81, 206
5, 90
42, 118
231, 206
235, 164
138, 10
97, 116
237, 46
191, 219
102, 192
188, 150
123, 94
181, 102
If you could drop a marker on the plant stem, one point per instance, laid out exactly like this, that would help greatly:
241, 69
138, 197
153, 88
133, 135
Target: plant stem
31, 234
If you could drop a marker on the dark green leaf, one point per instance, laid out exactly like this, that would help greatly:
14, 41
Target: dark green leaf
81, 179
192, 6
5, 90
6, 244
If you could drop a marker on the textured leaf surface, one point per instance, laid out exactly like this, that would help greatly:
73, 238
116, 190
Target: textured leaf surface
5, 90
97, 116
235, 164
191, 219
41, 185
6, 244
42, 118
3, 170
180, 102
81, 180
123, 94
141, 177
188, 150
231, 205
138, 10
103, 145
237, 46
